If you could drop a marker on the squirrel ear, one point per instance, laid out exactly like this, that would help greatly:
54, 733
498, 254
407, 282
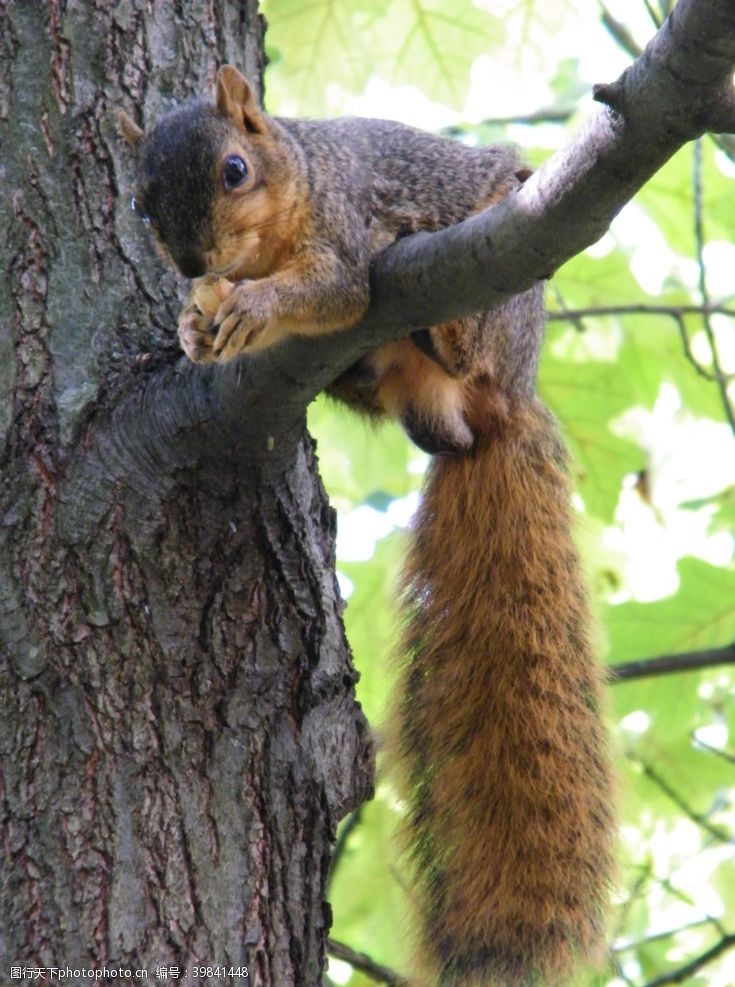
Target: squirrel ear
235, 99
129, 129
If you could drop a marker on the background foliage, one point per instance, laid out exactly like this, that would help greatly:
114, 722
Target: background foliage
637, 366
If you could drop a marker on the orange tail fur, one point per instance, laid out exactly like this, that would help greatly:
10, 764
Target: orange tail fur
499, 733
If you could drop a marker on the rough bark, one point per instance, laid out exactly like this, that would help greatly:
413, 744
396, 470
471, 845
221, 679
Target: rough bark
180, 735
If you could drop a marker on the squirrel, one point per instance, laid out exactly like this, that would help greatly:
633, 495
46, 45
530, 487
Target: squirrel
498, 731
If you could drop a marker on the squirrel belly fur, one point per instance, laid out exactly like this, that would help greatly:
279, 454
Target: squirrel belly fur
497, 733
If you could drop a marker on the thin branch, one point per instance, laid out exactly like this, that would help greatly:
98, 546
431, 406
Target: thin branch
687, 661
550, 114
703, 291
696, 817
339, 848
688, 352
672, 311
620, 972
684, 972
622, 36
653, 14
730, 758
667, 934
381, 974
624, 911
619, 32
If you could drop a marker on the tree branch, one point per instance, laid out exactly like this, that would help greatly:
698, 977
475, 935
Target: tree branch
627, 42
680, 87
674, 312
696, 742
658, 936
721, 835
252, 410
671, 311
381, 974
350, 825
550, 114
684, 972
665, 664
704, 291
619, 32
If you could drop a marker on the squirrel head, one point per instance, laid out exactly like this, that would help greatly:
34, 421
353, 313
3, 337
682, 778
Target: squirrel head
213, 182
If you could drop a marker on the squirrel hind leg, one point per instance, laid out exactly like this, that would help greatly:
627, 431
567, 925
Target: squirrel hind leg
424, 398
358, 388
455, 346
437, 436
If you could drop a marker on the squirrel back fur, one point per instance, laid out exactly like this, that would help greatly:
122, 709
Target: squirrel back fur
498, 734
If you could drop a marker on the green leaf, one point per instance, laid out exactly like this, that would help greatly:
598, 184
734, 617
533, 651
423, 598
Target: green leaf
361, 462
371, 621
700, 615
435, 43
324, 44
655, 352
669, 198
586, 395
724, 520
422, 42
369, 904
588, 280
567, 86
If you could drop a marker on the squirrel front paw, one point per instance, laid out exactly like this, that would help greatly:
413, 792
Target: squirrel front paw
197, 319
245, 322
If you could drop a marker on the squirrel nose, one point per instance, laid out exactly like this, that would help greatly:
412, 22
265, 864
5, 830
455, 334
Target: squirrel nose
191, 265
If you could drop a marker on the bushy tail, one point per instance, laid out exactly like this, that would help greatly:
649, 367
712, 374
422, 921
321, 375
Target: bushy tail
499, 734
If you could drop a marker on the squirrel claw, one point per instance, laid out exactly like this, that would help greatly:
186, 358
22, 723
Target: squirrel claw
238, 326
246, 321
240, 337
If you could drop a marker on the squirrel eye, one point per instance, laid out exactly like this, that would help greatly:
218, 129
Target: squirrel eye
234, 171
139, 210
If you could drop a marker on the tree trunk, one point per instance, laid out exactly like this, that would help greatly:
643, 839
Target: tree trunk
180, 734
